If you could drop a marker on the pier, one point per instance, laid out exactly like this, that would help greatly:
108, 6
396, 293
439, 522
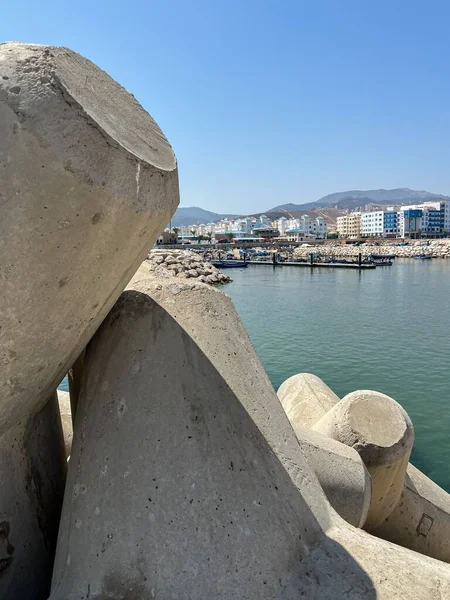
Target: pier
362, 266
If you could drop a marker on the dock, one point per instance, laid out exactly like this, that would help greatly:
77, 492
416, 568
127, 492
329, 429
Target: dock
312, 265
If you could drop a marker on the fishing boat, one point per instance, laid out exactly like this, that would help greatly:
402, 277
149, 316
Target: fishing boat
382, 263
383, 256
423, 256
229, 264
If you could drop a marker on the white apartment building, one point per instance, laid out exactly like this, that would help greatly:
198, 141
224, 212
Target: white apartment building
318, 227
309, 226
372, 224
282, 225
245, 225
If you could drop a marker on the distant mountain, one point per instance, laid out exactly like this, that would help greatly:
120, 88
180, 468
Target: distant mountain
194, 215
358, 198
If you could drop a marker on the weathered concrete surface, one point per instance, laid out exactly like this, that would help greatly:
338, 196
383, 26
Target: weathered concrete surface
179, 478
341, 473
187, 481
306, 399
421, 519
381, 432
33, 471
87, 183
339, 468
396, 573
66, 419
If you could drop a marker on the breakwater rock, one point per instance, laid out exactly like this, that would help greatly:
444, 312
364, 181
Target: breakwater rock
185, 477
437, 249
373, 486
184, 264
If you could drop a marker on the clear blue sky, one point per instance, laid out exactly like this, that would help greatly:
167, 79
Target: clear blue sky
273, 101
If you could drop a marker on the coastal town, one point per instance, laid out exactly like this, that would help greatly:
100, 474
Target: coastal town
429, 219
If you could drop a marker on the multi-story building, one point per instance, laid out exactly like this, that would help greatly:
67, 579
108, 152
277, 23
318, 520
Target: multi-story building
390, 223
297, 235
431, 221
372, 224
245, 225
354, 224
265, 231
435, 217
318, 227
281, 224
349, 225
445, 216
310, 226
410, 221
342, 226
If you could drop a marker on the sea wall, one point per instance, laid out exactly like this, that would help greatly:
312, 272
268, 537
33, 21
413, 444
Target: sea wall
436, 248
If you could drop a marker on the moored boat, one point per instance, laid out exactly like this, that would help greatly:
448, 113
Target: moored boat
382, 263
229, 264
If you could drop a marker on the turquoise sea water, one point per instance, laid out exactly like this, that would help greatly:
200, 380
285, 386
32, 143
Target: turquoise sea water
386, 330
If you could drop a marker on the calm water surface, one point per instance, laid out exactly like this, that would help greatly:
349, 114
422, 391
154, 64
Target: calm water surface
386, 330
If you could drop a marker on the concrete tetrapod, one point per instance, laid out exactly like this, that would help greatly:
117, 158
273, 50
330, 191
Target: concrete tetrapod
379, 429
341, 473
340, 470
88, 181
421, 519
306, 399
187, 481
33, 474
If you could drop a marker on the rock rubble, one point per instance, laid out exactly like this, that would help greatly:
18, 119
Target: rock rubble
184, 264
437, 249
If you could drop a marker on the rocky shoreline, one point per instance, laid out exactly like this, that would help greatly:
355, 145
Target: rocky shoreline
437, 249
184, 264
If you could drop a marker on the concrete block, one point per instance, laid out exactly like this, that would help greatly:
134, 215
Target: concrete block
88, 181
306, 399
381, 432
33, 472
421, 519
187, 481
74, 379
341, 473
174, 487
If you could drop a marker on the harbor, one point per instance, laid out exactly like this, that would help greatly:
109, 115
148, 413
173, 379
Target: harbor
288, 258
